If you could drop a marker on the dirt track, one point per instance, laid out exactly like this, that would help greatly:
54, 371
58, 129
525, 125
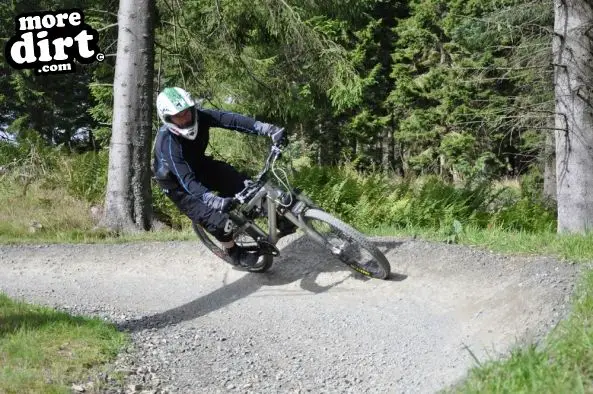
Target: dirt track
309, 324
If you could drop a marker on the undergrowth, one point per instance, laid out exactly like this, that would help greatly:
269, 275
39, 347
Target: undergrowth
374, 200
37, 176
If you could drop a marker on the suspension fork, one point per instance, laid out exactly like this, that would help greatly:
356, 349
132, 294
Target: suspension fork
272, 221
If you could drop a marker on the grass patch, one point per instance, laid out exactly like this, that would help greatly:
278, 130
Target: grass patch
53, 209
374, 199
45, 351
51, 215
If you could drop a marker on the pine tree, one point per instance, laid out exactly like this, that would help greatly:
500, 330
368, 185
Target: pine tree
128, 198
573, 57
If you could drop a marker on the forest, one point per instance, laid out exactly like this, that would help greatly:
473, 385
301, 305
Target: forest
425, 122
422, 113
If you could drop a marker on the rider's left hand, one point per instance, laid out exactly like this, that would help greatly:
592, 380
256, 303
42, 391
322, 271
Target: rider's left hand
226, 204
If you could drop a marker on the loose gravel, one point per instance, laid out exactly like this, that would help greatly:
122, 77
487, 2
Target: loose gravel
308, 325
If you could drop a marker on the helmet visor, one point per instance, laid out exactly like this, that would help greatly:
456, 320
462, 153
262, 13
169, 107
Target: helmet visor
183, 119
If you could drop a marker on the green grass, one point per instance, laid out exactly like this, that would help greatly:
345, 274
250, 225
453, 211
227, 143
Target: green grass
45, 351
54, 209
63, 218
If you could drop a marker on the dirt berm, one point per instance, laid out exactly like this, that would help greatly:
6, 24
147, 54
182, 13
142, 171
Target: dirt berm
309, 324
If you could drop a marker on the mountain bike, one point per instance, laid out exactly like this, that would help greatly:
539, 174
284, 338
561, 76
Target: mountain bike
267, 194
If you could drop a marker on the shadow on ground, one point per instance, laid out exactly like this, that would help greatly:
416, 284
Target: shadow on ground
300, 260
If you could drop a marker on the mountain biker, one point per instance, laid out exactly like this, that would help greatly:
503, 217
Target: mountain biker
188, 177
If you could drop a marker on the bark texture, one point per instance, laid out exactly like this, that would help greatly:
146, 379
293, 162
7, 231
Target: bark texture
550, 167
128, 202
573, 61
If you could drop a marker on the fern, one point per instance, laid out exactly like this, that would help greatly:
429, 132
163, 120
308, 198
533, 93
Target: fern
372, 200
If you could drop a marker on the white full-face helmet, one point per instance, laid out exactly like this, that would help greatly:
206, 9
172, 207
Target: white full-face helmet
172, 101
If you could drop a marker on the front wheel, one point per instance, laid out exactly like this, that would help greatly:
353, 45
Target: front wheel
242, 239
348, 244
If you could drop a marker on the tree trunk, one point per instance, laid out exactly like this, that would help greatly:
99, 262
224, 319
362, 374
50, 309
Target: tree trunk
320, 148
325, 144
333, 142
550, 167
128, 202
573, 58
387, 147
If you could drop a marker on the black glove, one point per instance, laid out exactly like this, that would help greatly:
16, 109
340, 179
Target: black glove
220, 204
225, 204
273, 131
277, 135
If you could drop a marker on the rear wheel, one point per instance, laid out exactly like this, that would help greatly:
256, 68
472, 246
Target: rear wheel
242, 239
348, 244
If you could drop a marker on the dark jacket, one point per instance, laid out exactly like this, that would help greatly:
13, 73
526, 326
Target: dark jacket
176, 160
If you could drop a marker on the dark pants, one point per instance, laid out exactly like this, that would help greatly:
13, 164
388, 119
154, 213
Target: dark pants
216, 176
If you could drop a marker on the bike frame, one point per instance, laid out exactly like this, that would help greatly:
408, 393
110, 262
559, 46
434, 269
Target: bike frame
272, 194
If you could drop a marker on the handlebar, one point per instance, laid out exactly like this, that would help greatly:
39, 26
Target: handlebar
275, 153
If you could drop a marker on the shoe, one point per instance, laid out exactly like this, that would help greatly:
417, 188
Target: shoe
242, 257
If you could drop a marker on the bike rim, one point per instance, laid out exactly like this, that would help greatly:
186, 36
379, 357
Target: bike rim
347, 249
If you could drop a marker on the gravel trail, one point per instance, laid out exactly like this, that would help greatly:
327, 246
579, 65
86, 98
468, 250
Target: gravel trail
309, 324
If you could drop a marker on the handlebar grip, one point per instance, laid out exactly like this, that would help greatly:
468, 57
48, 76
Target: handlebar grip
276, 148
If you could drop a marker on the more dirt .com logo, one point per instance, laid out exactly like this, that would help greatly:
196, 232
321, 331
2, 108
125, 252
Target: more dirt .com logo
49, 42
